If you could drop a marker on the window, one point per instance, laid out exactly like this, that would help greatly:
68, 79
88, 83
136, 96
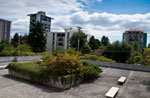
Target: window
60, 44
60, 35
60, 39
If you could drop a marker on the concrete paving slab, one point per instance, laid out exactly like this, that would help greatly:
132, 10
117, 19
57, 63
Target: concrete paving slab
136, 86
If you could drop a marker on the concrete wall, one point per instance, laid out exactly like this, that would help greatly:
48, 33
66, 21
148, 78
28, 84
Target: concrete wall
20, 58
121, 65
7, 59
49, 82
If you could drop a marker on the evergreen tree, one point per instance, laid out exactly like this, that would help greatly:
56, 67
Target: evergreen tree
94, 43
104, 41
15, 40
36, 38
23, 39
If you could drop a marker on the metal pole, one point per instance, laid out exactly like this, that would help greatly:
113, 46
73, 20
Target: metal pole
79, 29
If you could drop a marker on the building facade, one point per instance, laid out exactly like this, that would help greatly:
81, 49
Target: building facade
136, 35
59, 40
5, 27
42, 18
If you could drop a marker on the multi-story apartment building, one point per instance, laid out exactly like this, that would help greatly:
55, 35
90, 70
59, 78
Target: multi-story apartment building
42, 18
5, 27
59, 40
136, 35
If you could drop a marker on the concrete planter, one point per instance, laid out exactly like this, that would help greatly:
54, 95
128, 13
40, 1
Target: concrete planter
50, 82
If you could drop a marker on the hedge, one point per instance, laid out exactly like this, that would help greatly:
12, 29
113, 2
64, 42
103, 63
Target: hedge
94, 57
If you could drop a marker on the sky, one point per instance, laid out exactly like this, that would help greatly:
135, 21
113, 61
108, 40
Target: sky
97, 17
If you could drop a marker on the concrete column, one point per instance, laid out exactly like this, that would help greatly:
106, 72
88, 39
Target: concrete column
65, 42
49, 42
55, 41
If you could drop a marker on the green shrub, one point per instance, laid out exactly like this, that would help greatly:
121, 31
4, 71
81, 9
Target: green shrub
63, 65
82, 57
7, 51
146, 56
72, 52
33, 70
90, 57
41, 53
135, 58
94, 57
21, 50
90, 70
3, 45
102, 58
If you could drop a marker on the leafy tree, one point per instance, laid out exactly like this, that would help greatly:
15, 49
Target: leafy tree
15, 40
118, 51
149, 45
23, 39
74, 40
104, 41
136, 58
146, 56
86, 49
36, 38
135, 46
94, 43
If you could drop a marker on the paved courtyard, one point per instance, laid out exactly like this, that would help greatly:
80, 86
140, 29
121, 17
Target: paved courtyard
136, 86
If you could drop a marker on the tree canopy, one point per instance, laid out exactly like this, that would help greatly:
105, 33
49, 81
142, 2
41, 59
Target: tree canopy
135, 46
94, 43
104, 40
36, 38
15, 40
74, 40
118, 51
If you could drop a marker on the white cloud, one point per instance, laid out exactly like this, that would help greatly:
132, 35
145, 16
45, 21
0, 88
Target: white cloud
69, 13
99, 0
17, 10
111, 25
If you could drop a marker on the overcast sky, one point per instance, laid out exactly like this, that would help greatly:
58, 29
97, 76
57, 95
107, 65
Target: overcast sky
97, 17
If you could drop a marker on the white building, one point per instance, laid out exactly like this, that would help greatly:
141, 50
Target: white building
59, 40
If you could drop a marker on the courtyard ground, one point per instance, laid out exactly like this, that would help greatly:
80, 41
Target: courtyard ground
136, 86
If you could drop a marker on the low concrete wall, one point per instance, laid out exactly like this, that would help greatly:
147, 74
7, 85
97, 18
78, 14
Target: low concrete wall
20, 58
49, 82
7, 59
28, 58
121, 65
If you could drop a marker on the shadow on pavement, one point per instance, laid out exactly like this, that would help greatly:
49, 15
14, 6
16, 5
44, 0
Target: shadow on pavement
44, 88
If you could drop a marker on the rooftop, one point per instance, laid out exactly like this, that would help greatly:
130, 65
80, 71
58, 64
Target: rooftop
134, 30
136, 86
5, 20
